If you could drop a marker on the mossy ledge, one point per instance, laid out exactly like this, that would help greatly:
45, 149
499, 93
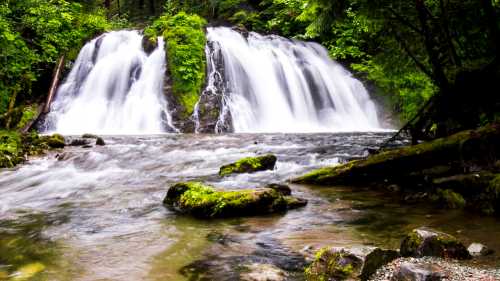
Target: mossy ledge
249, 165
455, 172
204, 201
460, 149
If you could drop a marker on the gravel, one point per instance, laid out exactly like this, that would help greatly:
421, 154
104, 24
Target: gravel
453, 270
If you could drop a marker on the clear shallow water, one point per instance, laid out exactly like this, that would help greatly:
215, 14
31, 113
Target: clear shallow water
96, 214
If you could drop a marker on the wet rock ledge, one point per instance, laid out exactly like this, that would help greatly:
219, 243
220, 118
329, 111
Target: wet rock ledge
459, 171
204, 201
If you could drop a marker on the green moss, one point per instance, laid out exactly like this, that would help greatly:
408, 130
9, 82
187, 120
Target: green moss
331, 265
202, 200
185, 46
249, 164
54, 141
451, 199
29, 113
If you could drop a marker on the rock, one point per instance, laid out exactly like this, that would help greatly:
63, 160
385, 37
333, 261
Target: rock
428, 242
477, 250
345, 263
418, 272
54, 141
149, 44
281, 188
79, 142
99, 141
249, 165
262, 272
204, 201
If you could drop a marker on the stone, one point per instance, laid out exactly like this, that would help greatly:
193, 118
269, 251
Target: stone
416, 272
89, 136
478, 249
346, 263
79, 142
428, 242
99, 141
262, 272
204, 201
249, 165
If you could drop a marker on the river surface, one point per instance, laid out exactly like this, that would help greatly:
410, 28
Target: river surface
97, 214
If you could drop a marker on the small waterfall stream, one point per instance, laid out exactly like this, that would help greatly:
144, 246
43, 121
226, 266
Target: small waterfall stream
114, 87
273, 84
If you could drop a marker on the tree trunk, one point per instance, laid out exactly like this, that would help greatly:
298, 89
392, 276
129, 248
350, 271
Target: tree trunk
432, 48
107, 4
55, 82
12, 104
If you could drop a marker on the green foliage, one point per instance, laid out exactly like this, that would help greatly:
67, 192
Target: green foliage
10, 149
33, 35
29, 112
185, 43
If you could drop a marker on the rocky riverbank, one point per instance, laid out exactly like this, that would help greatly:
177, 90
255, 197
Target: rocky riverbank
459, 171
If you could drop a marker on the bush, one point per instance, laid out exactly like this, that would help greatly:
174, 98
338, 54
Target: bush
185, 44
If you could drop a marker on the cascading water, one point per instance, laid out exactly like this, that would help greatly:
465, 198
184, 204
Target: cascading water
273, 84
113, 88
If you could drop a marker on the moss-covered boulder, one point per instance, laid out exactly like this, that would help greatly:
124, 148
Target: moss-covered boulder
459, 151
428, 242
249, 165
348, 263
54, 141
204, 201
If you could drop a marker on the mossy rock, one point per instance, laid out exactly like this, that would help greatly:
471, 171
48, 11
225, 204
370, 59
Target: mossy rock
54, 141
428, 242
357, 262
204, 201
249, 165
468, 147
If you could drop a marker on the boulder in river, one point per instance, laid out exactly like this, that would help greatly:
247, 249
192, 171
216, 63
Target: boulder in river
54, 141
249, 165
204, 201
478, 249
348, 263
428, 242
418, 272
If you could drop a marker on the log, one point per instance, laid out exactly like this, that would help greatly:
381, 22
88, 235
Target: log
55, 82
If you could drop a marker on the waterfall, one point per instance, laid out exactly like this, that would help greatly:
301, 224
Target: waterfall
114, 87
273, 84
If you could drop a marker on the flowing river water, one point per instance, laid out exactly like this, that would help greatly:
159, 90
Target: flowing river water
97, 214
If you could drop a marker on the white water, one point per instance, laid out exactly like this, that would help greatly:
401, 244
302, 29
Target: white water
278, 85
113, 88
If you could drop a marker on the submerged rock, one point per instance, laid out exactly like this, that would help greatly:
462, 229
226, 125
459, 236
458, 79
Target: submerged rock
428, 242
204, 201
249, 165
478, 249
418, 272
262, 272
348, 263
